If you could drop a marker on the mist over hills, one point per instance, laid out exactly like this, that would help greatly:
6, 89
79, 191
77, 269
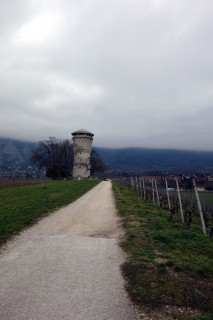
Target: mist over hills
163, 160
17, 153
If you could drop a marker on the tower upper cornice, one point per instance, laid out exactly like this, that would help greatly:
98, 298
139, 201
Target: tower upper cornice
82, 132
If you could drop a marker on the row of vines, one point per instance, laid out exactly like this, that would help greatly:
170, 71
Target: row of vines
191, 205
9, 183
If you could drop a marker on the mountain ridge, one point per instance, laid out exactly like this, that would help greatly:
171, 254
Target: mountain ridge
129, 159
147, 159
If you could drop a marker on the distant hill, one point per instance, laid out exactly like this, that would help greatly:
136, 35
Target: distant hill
140, 160
17, 153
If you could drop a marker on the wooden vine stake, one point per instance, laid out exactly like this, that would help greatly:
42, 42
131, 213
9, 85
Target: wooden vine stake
167, 192
132, 183
153, 191
180, 201
144, 189
136, 183
140, 186
199, 207
157, 194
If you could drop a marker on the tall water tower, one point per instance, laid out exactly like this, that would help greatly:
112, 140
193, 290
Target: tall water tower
82, 147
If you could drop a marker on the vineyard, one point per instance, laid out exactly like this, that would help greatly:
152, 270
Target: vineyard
9, 183
193, 206
169, 259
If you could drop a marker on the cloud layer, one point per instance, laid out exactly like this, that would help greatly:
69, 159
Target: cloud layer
136, 73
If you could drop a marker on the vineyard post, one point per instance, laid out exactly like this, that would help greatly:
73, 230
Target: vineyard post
180, 201
144, 189
124, 181
132, 183
157, 194
153, 191
199, 207
136, 183
140, 186
128, 181
167, 192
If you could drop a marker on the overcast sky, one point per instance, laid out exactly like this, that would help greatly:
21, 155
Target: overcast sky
136, 73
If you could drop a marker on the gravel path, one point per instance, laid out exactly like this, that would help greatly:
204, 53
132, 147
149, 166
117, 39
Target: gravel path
67, 266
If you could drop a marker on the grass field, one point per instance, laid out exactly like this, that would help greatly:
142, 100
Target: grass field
169, 269
22, 206
206, 197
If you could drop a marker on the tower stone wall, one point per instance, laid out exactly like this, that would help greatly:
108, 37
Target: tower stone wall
82, 147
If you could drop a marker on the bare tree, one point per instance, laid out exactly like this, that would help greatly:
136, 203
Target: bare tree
56, 156
96, 163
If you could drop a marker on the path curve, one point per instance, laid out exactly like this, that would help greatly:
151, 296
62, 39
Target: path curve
68, 265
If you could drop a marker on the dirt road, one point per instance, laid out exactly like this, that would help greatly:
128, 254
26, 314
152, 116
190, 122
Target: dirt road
67, 266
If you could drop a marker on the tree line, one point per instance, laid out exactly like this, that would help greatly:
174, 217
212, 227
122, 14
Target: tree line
56, 157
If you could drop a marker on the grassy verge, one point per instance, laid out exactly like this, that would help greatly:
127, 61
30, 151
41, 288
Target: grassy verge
21, 206
169, 269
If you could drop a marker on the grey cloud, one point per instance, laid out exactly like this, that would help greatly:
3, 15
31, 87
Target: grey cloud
136, 73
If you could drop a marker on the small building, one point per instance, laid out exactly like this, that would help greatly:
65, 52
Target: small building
82, 148
200, 188
171, 189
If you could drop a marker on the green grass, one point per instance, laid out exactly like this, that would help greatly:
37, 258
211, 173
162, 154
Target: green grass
167, 265
206, 197
22, 206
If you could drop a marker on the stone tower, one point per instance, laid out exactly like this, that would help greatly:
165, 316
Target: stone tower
82, 147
